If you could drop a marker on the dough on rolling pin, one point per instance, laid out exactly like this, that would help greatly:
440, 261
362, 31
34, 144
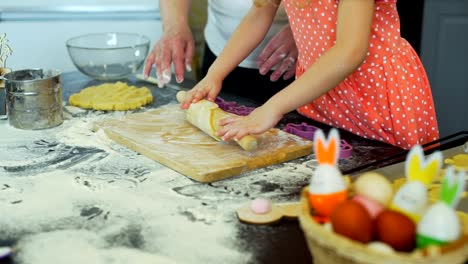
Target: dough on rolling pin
201, 115
205, 115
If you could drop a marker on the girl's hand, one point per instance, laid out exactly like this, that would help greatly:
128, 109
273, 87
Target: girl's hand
208, 88
257, 122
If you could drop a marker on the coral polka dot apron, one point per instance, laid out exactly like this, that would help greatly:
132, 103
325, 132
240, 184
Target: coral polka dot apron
388, 98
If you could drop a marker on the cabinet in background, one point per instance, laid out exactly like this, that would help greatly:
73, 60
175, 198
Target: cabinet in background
444, 54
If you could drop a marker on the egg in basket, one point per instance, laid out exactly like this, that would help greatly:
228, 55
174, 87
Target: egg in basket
372, 221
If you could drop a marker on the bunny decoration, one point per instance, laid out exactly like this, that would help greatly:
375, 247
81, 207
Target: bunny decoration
440, 224
411, 199
327, 187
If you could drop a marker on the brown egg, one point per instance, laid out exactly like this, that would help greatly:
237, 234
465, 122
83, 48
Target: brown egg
396, 230
352, 220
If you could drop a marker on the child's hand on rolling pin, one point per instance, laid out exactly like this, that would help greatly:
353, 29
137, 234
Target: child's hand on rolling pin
208, 88
257, 122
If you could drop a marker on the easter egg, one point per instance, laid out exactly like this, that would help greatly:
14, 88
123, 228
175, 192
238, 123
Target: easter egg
324, 204
327, 179
372, 207
396, 230
440, 225
380, 247
327, 226
352, 220
411, 199
374, 186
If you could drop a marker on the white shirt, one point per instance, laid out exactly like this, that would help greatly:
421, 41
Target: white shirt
223, 18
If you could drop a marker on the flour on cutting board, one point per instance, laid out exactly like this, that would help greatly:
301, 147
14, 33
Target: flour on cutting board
72, 195
166, 137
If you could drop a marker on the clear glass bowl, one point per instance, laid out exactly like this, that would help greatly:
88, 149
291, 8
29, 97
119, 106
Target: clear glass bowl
108, 56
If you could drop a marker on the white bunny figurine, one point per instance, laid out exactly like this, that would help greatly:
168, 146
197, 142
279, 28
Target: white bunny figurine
440, 224
412, 198
327, 187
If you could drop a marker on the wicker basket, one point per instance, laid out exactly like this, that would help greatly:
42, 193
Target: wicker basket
329, 248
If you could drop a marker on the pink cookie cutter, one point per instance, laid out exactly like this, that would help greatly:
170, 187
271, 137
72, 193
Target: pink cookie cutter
306, 131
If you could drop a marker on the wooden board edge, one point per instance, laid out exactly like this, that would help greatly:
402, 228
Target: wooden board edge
171, 164
282, 156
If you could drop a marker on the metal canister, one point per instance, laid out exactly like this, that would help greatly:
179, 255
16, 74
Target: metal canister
34, 98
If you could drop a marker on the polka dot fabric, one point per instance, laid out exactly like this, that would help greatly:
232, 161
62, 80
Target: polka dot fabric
388, 98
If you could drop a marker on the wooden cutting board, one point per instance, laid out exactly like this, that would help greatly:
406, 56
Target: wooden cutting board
165, 136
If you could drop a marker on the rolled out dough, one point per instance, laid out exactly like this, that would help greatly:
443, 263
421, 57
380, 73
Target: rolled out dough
112, 96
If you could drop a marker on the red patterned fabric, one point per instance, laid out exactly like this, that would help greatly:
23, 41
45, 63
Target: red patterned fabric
388, 98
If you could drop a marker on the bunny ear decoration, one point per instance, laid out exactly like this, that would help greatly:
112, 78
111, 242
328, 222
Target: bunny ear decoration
420, 169
327, 150
453, 185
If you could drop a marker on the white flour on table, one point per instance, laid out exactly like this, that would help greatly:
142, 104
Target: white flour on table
70, 195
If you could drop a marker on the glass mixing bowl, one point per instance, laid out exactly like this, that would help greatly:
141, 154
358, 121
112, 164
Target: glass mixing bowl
108, 56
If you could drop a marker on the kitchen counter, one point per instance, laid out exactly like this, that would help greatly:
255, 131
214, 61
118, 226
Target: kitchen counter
71, 195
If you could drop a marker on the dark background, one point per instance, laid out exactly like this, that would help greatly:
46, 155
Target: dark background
411, 17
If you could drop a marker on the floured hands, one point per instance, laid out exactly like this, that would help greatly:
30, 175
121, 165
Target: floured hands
281, 52
257, 122
208, 88
176, 47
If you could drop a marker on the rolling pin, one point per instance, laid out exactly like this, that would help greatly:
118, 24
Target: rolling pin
205, 115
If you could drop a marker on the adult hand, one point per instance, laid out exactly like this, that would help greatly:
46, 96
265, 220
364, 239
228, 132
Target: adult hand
281, 52
208, 88
175, 46
257, 122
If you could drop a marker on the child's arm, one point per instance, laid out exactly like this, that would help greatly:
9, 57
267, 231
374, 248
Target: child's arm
352, 40
250, 32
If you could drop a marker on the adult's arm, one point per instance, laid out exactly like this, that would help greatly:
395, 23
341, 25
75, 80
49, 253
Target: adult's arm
176, 45
280, 52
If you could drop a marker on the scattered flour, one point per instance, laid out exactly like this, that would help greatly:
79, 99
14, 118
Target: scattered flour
77, 247
115, 206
